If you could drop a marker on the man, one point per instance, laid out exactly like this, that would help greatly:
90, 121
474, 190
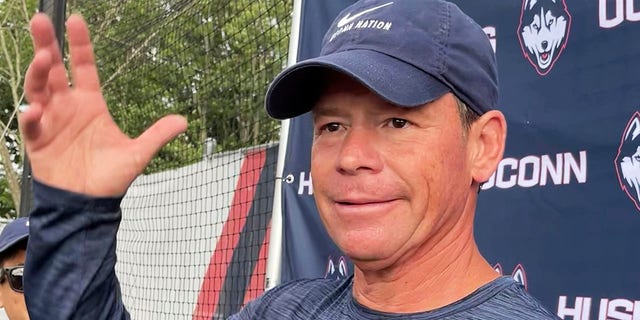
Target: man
405, 131
13, 246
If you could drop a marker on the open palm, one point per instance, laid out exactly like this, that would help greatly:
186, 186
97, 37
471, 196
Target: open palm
71, 140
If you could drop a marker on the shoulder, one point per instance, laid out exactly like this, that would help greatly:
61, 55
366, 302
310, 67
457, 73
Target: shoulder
512, 301
308, 290
298, 299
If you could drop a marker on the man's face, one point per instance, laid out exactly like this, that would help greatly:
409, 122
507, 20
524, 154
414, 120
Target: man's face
12, 301
387, 180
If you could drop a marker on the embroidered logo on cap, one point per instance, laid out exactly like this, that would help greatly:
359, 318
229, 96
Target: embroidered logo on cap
349, 18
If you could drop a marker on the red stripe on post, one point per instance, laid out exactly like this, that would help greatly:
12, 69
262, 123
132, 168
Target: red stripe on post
241, 204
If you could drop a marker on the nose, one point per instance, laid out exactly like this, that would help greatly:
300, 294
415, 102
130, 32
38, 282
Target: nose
545, 44
359, 152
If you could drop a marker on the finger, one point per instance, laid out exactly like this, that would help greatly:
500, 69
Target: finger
83, 68
44, 40
29, 122
158, 135
36, 79
44, 37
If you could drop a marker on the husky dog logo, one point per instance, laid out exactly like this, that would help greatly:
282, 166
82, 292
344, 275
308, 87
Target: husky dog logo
628, 160
336, 269
517, 274
543, 32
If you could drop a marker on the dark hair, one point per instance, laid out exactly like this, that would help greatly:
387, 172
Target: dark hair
467, 115
13, 251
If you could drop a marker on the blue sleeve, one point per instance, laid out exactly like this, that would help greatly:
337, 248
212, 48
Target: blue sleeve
71, 255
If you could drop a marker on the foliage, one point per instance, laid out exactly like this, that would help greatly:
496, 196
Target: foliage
15, 53
7, 207
209, 60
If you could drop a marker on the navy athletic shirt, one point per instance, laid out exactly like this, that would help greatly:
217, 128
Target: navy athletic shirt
71, 255
501, 299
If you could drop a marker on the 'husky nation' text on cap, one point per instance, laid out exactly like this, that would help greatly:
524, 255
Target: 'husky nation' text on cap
409, 52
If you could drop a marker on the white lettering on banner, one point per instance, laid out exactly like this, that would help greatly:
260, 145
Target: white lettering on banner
580, 310
622, 309
491, 33
530, 171
305, 183
609, 309
624, 9
536, 170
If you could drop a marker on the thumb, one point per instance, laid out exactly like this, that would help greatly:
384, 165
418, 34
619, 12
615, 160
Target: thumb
158, 135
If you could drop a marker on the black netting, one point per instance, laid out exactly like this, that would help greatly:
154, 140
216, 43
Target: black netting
193, 239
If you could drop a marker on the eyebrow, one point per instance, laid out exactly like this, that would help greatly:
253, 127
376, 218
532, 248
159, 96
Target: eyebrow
325, 110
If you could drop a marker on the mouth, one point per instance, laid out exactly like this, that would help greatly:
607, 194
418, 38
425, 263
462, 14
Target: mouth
364, 206
359, 203
355, 201
544, 59
544, 56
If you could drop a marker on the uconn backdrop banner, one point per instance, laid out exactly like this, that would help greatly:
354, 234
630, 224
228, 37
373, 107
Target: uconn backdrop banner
562, 212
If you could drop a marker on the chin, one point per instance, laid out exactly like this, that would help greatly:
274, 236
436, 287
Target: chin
368, 254
372, 264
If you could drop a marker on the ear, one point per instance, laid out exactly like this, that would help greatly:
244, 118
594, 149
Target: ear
487, 138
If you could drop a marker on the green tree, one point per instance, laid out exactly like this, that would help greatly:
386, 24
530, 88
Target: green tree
209, 60
15, 54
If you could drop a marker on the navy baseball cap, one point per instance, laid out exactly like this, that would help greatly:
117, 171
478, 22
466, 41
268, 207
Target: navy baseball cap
409, 52
13, 232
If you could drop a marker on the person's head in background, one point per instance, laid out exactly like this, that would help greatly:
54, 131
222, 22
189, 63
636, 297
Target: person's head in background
13, 248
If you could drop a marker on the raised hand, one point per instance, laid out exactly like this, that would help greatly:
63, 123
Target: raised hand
70, 137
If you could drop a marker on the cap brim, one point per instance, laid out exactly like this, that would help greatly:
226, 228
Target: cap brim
11, 242
295, 90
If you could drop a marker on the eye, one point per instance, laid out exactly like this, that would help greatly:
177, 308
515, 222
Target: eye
550, 22
398, 123
330, 127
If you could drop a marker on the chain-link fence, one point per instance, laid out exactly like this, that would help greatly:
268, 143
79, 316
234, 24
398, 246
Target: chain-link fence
195, 226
